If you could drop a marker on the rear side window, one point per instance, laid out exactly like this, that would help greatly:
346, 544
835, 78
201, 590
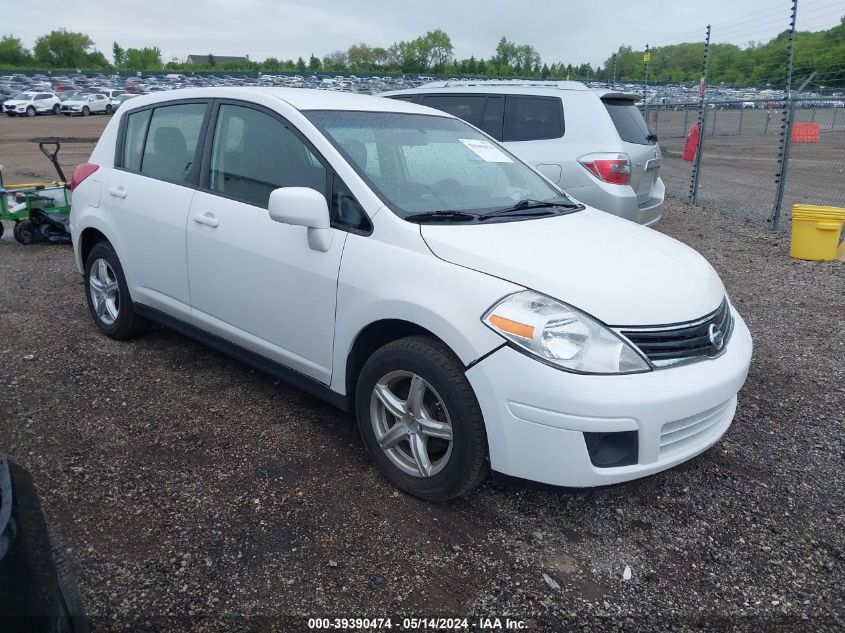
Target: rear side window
532, 118
629, 122
172, 141
467, 107
133, 143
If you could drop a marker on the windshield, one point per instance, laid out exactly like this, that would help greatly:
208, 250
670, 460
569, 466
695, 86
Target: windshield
25, 96
419, 163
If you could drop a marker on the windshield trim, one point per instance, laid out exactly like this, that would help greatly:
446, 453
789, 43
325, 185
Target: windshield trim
390, 204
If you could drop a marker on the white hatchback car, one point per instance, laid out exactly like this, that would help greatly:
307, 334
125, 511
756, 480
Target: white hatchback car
394, 261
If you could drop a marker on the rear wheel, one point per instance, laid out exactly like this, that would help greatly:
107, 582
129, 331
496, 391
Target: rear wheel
108, 295
86, 111
420, 419
57, 109
23, 231
30, 111
109, 109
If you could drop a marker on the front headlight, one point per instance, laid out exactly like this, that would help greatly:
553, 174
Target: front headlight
562, 336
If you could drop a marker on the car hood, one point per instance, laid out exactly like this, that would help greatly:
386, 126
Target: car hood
74, 102
616, 270
16, 102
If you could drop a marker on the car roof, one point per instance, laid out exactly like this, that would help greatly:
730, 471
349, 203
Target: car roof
299, 98
516, 87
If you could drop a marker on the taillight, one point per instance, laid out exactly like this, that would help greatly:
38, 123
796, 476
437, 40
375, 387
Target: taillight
612, 168
81, 173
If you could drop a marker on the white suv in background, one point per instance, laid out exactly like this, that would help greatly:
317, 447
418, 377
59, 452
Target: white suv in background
31, 103
594, 144
87, 103
395, 261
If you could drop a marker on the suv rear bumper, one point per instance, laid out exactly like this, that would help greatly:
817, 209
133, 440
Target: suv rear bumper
622, 201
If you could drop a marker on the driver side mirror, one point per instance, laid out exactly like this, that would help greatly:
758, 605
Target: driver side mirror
302, 206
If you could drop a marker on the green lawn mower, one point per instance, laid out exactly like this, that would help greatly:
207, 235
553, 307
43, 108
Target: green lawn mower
39, 210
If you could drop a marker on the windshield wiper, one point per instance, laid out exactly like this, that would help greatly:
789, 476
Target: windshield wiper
529, 204
652, 137
442, 216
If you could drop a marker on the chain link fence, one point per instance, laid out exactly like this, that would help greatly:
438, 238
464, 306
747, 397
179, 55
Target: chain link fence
740, 151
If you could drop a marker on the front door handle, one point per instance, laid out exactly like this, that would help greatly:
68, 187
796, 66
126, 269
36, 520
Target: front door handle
118, 192
206, 218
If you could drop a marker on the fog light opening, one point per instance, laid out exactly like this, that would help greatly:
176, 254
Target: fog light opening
610, 450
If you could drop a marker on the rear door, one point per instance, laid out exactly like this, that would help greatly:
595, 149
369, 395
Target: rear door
149, 192
638, 142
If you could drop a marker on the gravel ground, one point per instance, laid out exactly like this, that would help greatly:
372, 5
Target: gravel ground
196, 493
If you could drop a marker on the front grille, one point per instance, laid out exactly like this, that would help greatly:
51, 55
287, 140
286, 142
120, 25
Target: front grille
672, 344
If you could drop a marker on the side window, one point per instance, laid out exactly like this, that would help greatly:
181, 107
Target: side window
466, 107
172, 141
532, 118
492, 119
133, 142
345, 210
253, 153
43, 96
404, 97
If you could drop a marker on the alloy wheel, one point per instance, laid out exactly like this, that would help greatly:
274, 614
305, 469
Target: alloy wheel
411, 424
105, 292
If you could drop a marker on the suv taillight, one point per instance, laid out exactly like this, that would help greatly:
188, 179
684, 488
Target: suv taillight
81, 173
612, 168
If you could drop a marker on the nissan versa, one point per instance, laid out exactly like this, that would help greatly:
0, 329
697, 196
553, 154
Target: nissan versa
403, 265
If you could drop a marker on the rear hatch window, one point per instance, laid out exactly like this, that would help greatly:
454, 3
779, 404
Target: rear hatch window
629, 122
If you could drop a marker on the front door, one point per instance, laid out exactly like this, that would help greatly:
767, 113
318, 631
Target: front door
253, 281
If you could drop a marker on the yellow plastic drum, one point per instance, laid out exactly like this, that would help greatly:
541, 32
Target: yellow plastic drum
816, 231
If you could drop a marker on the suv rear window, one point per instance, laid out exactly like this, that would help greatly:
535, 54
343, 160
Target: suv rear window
532, 118
629, 122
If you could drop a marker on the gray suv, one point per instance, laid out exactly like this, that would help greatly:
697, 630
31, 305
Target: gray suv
594, 144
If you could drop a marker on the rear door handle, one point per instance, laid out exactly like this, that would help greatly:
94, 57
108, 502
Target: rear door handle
206, 218
118, 192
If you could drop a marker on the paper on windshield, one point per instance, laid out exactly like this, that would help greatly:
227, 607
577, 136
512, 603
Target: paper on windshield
485, 150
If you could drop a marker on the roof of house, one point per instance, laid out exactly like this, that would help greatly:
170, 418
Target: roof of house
218, 59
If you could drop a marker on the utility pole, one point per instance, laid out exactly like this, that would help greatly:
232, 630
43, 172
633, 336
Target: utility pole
785, 127
646, 60
702, 114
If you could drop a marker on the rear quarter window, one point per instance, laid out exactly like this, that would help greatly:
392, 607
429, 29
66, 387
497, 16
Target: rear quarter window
629, 122
530, 118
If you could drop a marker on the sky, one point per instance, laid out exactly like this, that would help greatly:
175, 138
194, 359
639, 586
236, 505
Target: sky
561, 30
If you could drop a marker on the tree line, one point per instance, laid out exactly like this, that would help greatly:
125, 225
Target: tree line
758, 64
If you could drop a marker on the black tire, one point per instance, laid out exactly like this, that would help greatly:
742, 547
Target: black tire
71, 606
127, 325
109, 109
23, 232
2, 228
430, 359
86, 111
10, 114
30, 111
57, 109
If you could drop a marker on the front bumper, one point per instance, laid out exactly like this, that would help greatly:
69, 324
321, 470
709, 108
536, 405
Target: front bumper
536, 415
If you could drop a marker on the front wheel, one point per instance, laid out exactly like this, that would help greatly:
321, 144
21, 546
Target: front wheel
420, 420
30, 111
86, 111
108, 295
23, 232
109, 109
